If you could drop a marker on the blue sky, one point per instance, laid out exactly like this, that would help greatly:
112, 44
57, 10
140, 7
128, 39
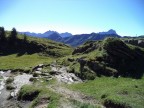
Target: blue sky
74, 16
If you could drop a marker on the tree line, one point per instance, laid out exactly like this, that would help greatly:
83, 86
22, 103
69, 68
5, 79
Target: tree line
11, 43
11, 38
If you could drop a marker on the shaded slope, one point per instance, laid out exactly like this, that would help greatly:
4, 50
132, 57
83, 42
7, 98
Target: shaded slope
73, 40
110, 57
34, 45
77, 40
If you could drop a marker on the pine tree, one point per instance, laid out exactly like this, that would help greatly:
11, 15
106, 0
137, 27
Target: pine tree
25, 38
13, 36
2, 34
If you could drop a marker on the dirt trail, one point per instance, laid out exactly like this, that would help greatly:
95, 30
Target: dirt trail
74, 95
65, 77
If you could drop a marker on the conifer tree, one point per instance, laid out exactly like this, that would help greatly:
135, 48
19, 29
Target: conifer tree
2, 34
13, 36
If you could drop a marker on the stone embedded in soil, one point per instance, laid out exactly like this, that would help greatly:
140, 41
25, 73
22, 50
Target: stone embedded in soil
39, 69
2, 85
21, 80
38, 72
64, 76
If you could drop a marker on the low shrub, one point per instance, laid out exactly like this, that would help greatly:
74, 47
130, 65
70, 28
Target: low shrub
10, 87
28, 93
114, 104
9, 80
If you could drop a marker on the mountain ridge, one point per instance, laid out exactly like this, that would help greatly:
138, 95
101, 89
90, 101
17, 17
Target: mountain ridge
73, 40
46, 34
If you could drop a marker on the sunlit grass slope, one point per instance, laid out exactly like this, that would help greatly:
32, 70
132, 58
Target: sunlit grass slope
22, 62
126, 92
33, 52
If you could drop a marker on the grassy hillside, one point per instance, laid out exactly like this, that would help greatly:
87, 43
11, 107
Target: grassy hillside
31, 52
34, 45
110, 57
112, 70
114, 92
22, 62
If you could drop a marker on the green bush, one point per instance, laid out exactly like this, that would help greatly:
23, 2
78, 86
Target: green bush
115, 104
10, 87
9, 80
28, 93
38, 95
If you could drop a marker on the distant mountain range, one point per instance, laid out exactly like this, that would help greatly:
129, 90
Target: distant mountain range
73, 40
47, 34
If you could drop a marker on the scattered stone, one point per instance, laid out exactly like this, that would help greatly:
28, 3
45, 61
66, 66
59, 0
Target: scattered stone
21, 80
48, 79
1, 72
12, 94
40, 66
9, 71
39, 69
2, 85
45, 74
38, 72
66, 77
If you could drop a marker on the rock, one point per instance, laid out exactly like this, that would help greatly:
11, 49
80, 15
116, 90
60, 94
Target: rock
1, 72
38, 72
21, 80
2, 85
48, 79
39, 69
40, 66
70, 79
9, 71
45, 74
12, 94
